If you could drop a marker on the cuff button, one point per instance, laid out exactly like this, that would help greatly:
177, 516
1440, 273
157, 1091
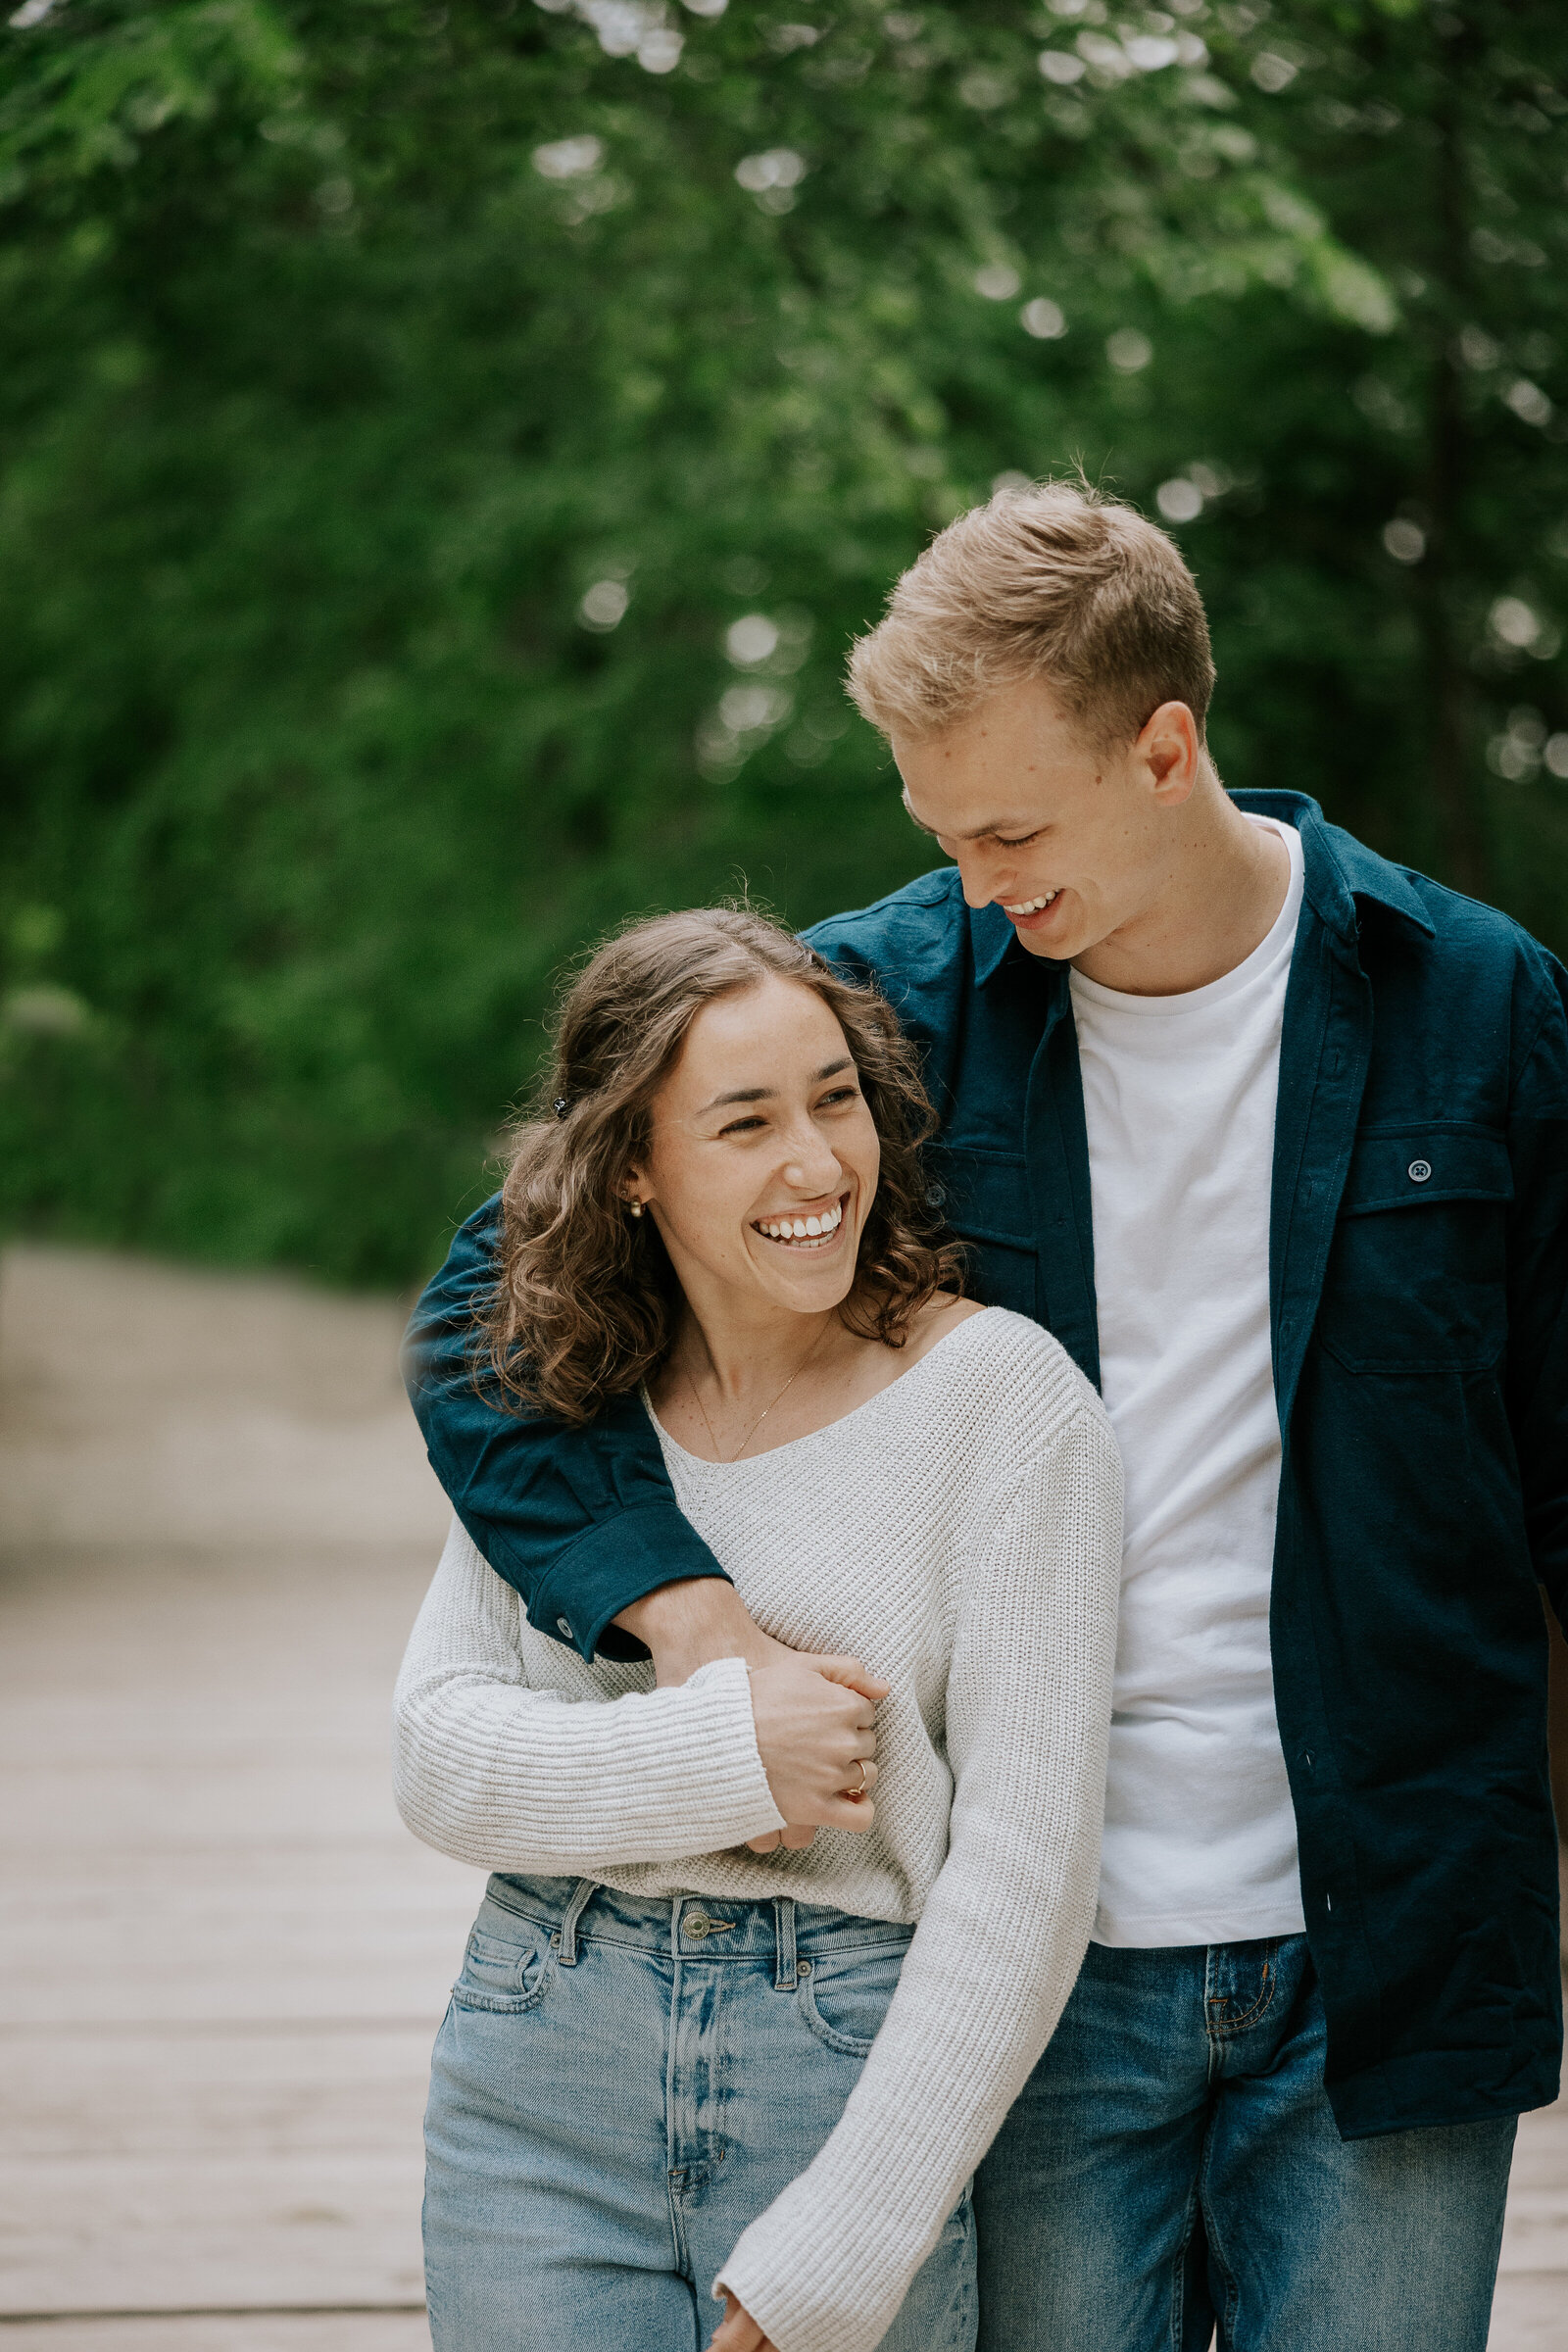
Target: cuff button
563, 1626
1419, 1172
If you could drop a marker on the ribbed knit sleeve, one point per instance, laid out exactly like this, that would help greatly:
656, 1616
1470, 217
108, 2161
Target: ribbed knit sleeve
511, 1778
1005, 1925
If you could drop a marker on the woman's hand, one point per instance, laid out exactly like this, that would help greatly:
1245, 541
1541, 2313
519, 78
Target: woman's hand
738, 2332
687, 1624
815, 1721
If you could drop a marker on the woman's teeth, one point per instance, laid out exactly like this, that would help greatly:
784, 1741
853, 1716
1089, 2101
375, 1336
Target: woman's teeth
1028, 905
807, 1232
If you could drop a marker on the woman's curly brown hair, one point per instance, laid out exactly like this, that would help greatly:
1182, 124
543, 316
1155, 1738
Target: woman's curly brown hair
586, 1301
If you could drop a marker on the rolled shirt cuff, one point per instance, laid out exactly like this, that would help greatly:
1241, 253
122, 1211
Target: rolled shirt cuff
611, 1564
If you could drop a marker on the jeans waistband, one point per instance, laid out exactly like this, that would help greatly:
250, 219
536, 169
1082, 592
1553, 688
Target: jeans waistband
705, 1927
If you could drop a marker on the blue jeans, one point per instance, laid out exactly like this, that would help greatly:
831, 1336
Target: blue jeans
619, 2086
1172, 2169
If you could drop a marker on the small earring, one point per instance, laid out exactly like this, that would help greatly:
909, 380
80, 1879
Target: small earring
636, 1207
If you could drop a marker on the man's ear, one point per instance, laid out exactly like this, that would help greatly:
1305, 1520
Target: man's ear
1171, 753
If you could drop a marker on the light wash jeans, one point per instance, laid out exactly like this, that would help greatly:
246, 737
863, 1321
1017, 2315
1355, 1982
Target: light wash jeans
1172, 2171
619, 2086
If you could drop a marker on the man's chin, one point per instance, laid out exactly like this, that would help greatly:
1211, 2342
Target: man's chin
1058, 946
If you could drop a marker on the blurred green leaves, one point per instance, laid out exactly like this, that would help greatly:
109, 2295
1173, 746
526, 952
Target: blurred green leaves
446, 451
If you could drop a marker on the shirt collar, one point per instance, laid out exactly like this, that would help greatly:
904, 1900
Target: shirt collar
1340, 871
991, 935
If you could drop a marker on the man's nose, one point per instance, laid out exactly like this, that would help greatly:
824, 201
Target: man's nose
979, 878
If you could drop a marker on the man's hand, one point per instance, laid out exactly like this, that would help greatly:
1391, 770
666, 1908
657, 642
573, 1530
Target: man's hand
738, 2332
810, 1726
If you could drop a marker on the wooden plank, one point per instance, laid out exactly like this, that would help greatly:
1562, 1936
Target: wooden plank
1531, 2313
160, 1404
197, 1798
217, 1938
1535, 2236
204, 2228
163, 2096
235, 2332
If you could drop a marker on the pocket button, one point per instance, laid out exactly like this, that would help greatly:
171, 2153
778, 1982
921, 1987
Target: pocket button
1419, 1172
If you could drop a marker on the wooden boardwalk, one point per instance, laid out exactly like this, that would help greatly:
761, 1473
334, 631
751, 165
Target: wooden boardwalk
222, 1957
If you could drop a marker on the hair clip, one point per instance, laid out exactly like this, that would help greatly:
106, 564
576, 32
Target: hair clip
561, 1106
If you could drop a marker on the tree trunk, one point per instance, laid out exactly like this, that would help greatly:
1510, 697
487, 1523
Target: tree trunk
1453, 769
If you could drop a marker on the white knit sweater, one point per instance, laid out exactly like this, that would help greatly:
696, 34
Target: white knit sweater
960, 1532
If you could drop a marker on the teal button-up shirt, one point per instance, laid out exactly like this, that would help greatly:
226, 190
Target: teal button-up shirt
1418, 1278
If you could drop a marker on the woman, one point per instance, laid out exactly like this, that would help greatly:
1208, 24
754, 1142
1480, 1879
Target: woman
671, 2057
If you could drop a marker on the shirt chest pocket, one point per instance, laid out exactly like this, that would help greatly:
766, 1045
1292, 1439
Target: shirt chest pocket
983, 1196
1417, 1275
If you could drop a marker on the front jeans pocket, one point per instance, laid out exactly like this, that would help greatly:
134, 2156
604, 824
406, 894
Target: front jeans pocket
508, 1966
845, 2001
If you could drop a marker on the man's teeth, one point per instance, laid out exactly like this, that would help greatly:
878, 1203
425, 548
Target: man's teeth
813, 1231
1028, 905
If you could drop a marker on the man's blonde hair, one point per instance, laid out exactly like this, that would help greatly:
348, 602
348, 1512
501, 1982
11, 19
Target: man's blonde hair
1052, 582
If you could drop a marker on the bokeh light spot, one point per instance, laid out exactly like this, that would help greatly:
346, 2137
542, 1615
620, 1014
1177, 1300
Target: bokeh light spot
1129, 350
1405, 541
1179, 499
751, 640
998, 281
1043, 319
604, 607
774, 167
569, 159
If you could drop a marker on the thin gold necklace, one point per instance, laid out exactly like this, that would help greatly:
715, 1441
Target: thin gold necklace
766, 1409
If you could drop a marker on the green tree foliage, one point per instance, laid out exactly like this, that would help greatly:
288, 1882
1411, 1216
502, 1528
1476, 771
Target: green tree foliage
446, 451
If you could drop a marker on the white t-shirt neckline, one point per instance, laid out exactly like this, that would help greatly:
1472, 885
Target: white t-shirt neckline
1277, 941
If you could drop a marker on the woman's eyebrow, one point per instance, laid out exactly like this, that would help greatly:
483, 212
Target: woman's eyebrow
766, 1094
742, 1094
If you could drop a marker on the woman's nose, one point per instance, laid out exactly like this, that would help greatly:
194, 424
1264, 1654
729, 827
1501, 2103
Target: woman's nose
816, 1171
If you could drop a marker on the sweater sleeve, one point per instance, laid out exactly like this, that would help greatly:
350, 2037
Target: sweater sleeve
510, 1778
1004, 1930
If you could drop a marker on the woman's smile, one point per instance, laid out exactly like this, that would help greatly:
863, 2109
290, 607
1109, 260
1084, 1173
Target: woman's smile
816, 1229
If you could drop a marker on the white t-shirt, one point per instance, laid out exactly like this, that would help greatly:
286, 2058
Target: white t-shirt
1179, 1096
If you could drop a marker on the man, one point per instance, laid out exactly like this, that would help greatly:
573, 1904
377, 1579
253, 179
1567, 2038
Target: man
1273, 1135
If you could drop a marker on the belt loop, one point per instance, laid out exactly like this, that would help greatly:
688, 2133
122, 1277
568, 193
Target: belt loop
586, 1889
784, 1979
